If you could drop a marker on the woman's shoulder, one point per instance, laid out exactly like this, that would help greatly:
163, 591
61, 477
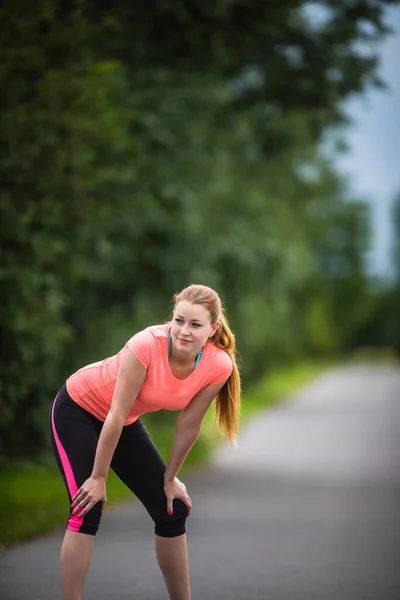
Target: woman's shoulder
153, 335
218, 357
219, 363
158, 332
148, 343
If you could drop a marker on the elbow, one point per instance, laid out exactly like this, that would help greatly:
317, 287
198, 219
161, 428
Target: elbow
189, 425
115, 420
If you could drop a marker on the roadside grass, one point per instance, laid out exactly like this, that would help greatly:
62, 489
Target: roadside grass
384, 355
33, 499
280, 384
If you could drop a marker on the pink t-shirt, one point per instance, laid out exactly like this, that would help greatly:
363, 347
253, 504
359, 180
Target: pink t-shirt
92, 387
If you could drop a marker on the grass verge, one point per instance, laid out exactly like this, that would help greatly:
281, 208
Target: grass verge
33, 499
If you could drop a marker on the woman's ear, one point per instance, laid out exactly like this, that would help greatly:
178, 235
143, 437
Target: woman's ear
214, 330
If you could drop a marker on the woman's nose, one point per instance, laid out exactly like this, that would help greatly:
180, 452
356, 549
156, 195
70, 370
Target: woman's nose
184, 330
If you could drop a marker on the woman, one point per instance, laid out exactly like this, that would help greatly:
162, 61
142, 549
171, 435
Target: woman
95, 425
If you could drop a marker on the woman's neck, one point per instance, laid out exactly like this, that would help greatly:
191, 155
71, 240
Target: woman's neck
181, 360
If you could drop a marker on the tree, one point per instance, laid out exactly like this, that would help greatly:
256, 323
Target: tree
136, 161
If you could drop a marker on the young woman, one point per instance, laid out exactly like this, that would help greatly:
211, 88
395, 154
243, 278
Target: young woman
95, 425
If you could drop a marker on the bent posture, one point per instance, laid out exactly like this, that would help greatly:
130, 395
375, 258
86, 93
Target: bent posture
95, 425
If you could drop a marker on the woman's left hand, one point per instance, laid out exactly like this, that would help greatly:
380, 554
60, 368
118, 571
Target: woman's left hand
176, 489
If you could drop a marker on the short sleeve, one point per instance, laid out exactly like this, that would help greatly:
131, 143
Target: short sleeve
142, 345
222, 368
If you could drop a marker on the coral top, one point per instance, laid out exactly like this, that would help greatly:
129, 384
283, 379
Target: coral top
92, 387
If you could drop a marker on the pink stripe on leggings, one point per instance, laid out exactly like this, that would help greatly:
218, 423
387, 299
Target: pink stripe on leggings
74, 522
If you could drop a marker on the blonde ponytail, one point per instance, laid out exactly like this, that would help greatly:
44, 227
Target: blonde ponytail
227, 406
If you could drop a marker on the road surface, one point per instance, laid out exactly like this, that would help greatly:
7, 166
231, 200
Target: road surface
306, 508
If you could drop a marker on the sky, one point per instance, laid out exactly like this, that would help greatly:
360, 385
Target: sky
373, 160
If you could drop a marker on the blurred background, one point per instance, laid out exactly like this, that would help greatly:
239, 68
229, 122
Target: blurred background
249, 146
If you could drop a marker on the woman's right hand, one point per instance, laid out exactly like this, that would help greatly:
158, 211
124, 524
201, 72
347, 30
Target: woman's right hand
91, 491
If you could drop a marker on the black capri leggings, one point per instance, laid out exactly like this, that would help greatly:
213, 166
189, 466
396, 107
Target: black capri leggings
136, 461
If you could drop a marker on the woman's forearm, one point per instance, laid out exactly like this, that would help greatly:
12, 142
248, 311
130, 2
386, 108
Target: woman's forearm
184, 438
106, 445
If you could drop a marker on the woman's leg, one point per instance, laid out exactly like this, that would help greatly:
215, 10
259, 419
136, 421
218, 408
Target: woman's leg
139, 465
76, 555
74, 434
173, 561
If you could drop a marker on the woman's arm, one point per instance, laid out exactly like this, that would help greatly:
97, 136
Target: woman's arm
130, 379
131, 376
187, 431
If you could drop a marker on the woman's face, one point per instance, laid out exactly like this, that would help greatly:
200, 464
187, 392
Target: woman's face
191, 327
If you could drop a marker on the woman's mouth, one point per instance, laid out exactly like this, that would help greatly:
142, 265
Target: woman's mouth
184, 341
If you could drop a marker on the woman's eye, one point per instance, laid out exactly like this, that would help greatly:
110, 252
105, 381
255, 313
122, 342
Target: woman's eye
196, 324
178, 320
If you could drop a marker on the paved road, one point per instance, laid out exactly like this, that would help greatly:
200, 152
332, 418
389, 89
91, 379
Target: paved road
307, 508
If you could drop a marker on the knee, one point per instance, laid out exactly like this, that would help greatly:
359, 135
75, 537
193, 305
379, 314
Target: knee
89, 523
172, 525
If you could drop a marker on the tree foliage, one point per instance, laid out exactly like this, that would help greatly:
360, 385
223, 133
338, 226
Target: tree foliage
145, 146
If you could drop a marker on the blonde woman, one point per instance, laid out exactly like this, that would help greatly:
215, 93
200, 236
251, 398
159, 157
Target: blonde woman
95, 425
